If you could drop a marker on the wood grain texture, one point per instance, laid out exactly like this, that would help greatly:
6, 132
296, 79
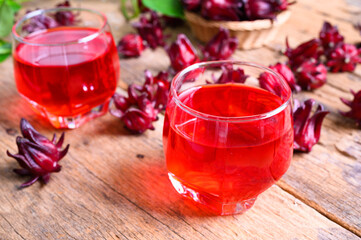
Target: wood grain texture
114, 185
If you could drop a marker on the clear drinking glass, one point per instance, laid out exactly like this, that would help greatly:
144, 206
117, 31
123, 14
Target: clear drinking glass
66, 70
225, 143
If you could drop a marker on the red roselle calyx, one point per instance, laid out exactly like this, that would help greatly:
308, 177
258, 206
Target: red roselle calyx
65, 18
269, 82
303, 52
37, 156
192, 5
220, 47
157, 89
181, 53
287, 74
330, 36
139, 110
222, 10
131, 45
150, 29
311, 75
355, 105
230, 75
307, 129
39, 22
137, 116
343, 58
60, 18
264, 9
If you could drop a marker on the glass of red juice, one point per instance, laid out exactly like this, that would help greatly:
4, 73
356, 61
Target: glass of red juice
226, 142
66, 70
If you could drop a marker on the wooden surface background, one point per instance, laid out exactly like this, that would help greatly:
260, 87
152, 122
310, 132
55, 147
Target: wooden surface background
114, 185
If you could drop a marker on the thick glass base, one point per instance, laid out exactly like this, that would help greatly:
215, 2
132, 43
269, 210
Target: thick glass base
71, 122
210, 201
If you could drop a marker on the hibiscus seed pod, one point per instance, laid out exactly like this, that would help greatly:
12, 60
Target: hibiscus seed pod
330, 36
343, 58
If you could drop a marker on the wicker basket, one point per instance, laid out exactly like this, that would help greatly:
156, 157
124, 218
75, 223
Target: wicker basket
250, 34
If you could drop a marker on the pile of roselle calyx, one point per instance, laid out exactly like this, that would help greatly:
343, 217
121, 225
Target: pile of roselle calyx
306, 69
237, 10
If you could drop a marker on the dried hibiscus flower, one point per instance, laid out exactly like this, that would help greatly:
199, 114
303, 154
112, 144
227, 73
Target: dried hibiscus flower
264, 9
137, 114
355, 105
307, 129
287, 74
37, 156
272, 84
39, 22
343, 58
221, 46
181, 53
139, 110
192, 5
65, 18
131, 45
330, 36
157, 89
303, 52
150, 29
230, 75
228, 10
311, 75
42, 21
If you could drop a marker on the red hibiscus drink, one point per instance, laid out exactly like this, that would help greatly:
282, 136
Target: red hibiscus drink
226, 142
67, 73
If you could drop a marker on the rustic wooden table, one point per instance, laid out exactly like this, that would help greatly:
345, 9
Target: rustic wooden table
114, 185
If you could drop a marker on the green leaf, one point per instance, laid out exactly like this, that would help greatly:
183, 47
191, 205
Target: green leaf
172, 8
6, 18
15, 6
4, 56
5, 50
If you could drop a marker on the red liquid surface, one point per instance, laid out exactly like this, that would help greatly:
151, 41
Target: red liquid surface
70, 79
227, 162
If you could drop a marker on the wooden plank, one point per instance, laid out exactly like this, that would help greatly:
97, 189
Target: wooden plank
106, 191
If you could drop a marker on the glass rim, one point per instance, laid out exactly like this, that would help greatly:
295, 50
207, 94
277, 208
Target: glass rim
210, 117
43, 11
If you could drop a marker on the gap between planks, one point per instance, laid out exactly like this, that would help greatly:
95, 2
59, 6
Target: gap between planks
290, 190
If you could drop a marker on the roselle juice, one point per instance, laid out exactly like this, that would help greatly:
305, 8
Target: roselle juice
66, 79
218, 163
